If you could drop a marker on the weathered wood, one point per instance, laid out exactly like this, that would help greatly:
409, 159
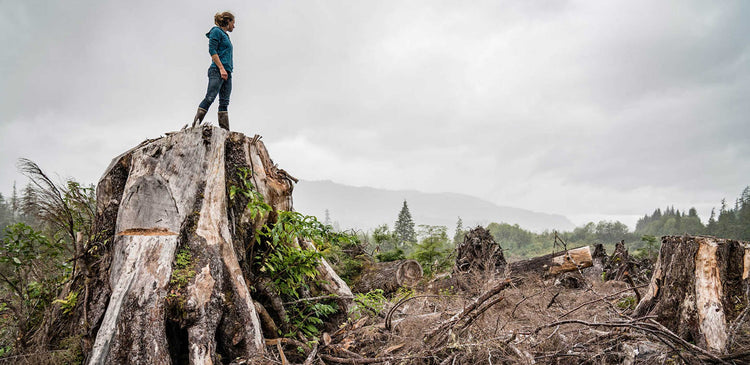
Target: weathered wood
698, 287
388, 276
167, 197
555, 263
479, 253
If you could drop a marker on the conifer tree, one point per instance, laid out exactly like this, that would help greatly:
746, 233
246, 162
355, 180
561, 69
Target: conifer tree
14, 201
404, 228
459, 236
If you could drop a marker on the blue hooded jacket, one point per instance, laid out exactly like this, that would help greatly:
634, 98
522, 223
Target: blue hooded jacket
219, 43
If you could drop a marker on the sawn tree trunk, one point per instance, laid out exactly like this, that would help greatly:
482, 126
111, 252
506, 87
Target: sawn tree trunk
170, 278
388, 276
699, 288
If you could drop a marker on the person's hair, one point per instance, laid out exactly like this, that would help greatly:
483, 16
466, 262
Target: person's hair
223, 19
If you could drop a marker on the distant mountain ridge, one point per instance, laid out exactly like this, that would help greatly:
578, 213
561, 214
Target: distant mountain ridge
366, 208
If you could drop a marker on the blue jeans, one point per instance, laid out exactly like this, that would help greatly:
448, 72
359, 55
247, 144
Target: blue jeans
217, 85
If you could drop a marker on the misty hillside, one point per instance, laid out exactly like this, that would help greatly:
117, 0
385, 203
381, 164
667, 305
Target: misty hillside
365, 208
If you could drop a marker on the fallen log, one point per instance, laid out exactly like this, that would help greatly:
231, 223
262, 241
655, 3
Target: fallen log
554, 263
388, 276
698, 288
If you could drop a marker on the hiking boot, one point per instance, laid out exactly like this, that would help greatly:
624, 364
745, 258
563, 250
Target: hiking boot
199, 117
224, 120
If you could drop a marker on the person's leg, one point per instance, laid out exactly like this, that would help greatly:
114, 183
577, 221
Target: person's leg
198, 119
224, 92
214, 85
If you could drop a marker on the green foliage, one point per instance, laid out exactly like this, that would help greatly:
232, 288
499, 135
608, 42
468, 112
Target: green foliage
183, 269
392, 255
732, 223
346, 257
307, 319
371, 303
258, 207
404, 228
628, 302
32, 269
61, 211
458, 237
384, 239
510, 236
433, 251
69, 303
7, 216
291, 268
518, 243
670, 222
650, 248
403, 293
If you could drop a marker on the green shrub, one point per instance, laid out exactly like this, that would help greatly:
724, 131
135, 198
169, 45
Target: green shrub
392, 255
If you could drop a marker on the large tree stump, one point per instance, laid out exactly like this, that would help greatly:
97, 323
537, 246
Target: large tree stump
164, 199
699, 286
388, 276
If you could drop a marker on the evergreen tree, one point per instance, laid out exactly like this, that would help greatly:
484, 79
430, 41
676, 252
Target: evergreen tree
28, 204
327, 221
6, 217
692, 212
459, 236
743, 215
14, 201
404, 228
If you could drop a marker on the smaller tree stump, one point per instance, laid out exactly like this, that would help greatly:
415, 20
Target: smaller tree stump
388, 276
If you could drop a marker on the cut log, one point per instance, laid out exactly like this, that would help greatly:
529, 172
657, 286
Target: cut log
479, 253
171, 273
699, 286
388, 276
555, 263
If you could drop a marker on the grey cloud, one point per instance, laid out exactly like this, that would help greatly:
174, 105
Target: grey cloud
617, 97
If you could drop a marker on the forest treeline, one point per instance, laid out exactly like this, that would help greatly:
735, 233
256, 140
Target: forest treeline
404, 241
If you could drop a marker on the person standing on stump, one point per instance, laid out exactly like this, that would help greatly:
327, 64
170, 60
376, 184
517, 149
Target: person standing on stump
220, 71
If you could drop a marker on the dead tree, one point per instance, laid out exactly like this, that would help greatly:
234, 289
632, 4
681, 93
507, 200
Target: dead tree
171, 274
479, 253
699, 289
554, 263
388, 276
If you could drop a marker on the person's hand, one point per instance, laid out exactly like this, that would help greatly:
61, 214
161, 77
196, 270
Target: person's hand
224, 74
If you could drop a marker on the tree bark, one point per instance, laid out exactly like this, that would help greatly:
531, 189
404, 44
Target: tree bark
479, 253
170, 278
555, 263
698, 287
388, 276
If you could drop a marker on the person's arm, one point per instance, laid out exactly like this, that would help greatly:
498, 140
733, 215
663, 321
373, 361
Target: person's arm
213, 50
217, 61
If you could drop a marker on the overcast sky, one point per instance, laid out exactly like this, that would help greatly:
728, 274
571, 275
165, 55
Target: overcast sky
591, 109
